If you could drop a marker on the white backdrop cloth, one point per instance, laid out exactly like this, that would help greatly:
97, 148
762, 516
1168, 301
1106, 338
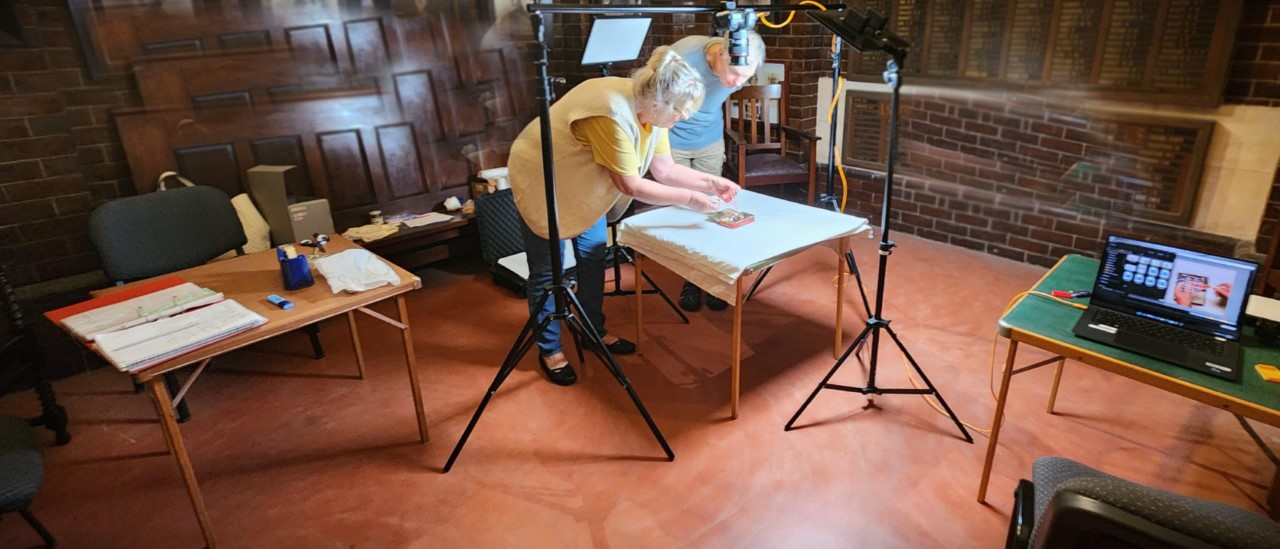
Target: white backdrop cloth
715, 257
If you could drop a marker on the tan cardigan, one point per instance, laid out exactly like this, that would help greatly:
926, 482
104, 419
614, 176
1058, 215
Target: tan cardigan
584, 190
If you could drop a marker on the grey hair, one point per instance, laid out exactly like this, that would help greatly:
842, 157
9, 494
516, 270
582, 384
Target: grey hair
666, 82
755, 48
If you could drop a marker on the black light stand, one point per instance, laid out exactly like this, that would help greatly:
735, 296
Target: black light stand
867, 33
579, 325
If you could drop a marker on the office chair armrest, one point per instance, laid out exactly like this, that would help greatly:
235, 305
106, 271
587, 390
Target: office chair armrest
799, 134
1076, 501
1023, 519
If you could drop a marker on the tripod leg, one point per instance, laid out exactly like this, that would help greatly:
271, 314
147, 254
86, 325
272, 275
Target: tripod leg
934, 390
857, 342
639, 300
580, 322
528, 334
857, 275
756, 284
666, 298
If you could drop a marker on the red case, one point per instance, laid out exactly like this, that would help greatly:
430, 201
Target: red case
746, 218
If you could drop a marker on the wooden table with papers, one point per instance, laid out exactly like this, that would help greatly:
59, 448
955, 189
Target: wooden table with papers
248, 280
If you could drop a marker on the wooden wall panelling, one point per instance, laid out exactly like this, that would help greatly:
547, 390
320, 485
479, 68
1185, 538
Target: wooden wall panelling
416, 99
360, 161
401, 161
313, 48
367, 45
284, 150
212, 165
1162, 50
347, 174
257, 40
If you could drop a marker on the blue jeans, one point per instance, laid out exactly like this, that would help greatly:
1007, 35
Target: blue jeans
589, 248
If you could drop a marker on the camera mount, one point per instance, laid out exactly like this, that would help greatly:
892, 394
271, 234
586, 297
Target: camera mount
735, 23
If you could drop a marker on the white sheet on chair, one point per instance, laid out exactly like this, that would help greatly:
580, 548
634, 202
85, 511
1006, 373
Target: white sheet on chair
715, 257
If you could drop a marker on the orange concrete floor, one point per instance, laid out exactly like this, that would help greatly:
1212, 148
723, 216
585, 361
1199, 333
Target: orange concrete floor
295, 452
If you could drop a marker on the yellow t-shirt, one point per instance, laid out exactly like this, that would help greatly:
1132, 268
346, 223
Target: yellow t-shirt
612, 148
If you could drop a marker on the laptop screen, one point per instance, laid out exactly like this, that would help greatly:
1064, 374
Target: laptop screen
1195, 290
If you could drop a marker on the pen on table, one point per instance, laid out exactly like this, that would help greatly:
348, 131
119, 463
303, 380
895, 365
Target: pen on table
1070, 294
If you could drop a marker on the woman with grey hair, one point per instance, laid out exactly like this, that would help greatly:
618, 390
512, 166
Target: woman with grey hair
607, 134
698, 141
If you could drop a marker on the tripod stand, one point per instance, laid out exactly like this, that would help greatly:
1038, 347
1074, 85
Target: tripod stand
567, 307
876, 321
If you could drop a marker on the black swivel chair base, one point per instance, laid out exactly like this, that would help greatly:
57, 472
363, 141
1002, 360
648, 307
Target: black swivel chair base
581, 329
44, 534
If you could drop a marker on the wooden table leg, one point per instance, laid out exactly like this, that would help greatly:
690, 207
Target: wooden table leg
639, 300
1057, 377
355, 342
735, 375
412, 361
997, 421
173, 438
841, 268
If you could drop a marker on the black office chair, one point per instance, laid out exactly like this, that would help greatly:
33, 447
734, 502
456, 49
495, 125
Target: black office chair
158, 233
21, 472
23, 363
1071, 505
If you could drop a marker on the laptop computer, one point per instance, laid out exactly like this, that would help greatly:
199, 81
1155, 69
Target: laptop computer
1177, 305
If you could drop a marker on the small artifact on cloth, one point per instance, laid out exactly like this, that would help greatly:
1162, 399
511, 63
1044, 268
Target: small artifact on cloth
731, 218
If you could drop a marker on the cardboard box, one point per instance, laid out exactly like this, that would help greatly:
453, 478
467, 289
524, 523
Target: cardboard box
292, 218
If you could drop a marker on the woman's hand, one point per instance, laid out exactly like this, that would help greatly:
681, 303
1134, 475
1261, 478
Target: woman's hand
702, 203
724, 188
1182, 293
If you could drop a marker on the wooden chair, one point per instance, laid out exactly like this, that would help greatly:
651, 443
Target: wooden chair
756, 145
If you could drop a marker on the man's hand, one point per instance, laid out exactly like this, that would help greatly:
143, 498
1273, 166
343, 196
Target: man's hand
724, 188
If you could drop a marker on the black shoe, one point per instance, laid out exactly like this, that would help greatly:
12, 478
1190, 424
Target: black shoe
560, 376
690, 297
716, 304
621, 347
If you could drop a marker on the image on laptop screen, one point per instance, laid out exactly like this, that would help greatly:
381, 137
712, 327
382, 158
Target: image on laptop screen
1195, 290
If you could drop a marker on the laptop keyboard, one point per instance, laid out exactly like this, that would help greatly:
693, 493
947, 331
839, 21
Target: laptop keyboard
1162, 331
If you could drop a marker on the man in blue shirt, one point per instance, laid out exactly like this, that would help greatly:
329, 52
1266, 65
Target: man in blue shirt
698, 142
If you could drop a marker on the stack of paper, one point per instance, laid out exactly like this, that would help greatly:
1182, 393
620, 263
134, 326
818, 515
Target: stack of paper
139, 310
427, 219
135, 348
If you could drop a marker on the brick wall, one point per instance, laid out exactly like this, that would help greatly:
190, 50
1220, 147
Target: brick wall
997, 175
1255, 64
59, 151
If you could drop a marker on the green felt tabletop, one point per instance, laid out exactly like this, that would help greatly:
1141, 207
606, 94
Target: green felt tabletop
1053, 320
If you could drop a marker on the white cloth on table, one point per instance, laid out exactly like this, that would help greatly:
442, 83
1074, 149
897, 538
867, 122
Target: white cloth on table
715, 257
356, 270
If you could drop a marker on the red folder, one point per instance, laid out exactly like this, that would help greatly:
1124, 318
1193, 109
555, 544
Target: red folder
57, 315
